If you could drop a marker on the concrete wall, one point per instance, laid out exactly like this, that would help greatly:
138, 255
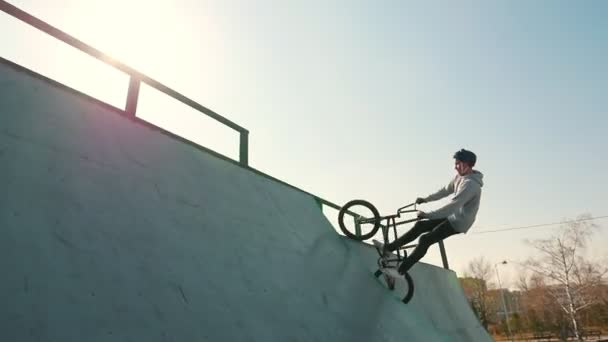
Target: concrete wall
113, 231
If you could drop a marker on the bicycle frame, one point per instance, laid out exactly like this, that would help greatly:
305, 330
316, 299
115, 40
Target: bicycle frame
399, 212
391, 222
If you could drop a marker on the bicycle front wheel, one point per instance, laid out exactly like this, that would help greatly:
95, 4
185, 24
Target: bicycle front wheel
362, 226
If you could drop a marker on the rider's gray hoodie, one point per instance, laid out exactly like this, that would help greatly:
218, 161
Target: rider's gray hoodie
462, 209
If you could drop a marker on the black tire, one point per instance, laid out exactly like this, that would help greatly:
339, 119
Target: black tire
353, 235
410, 288
408, 279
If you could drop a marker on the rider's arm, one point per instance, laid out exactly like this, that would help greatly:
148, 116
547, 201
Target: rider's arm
467, 191
441, 193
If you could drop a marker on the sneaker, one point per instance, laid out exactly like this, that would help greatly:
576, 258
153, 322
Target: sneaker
384, 253
392, 272
390, 281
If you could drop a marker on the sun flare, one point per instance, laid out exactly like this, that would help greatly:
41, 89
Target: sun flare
137, 33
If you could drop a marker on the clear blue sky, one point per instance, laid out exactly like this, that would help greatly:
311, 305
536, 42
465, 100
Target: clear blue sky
369, 100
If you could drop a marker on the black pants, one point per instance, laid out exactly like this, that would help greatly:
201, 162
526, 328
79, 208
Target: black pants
436, 230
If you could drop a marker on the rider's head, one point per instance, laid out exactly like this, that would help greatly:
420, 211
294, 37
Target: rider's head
464, 162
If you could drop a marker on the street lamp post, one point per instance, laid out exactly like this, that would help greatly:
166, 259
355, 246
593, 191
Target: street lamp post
504, 306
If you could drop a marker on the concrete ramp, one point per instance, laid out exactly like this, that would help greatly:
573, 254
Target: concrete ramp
111, 230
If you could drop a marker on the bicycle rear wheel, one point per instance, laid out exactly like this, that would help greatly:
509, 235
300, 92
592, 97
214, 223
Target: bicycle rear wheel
365, 226
410, 288
390, 282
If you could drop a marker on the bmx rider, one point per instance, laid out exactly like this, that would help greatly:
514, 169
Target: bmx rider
456, 217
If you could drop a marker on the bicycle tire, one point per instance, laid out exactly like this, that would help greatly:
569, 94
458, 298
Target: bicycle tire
353, 235
410, 285
410, 288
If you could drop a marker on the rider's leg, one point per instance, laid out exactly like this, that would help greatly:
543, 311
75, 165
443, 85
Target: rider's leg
439, 233
419, 228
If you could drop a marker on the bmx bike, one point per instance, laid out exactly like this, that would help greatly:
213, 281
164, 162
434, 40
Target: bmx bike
386, 266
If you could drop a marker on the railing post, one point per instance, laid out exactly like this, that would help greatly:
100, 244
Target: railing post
244, 149
132, 96
357, 227
444, 256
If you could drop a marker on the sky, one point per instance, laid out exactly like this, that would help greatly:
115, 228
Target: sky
366, 99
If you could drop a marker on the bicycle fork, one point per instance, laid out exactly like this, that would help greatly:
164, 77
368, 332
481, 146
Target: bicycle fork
390, 222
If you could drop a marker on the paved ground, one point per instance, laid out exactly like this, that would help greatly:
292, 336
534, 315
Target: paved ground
113, 231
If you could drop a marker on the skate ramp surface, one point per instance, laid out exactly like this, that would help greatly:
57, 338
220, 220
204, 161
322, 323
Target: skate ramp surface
112, 230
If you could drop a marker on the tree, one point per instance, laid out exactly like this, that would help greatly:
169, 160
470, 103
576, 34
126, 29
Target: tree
571, 279
477, 277
541, 312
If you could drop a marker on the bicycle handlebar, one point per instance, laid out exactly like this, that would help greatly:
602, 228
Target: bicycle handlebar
400, 210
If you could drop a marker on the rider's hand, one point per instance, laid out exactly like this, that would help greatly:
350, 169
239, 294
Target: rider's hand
421, 214
420, 200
